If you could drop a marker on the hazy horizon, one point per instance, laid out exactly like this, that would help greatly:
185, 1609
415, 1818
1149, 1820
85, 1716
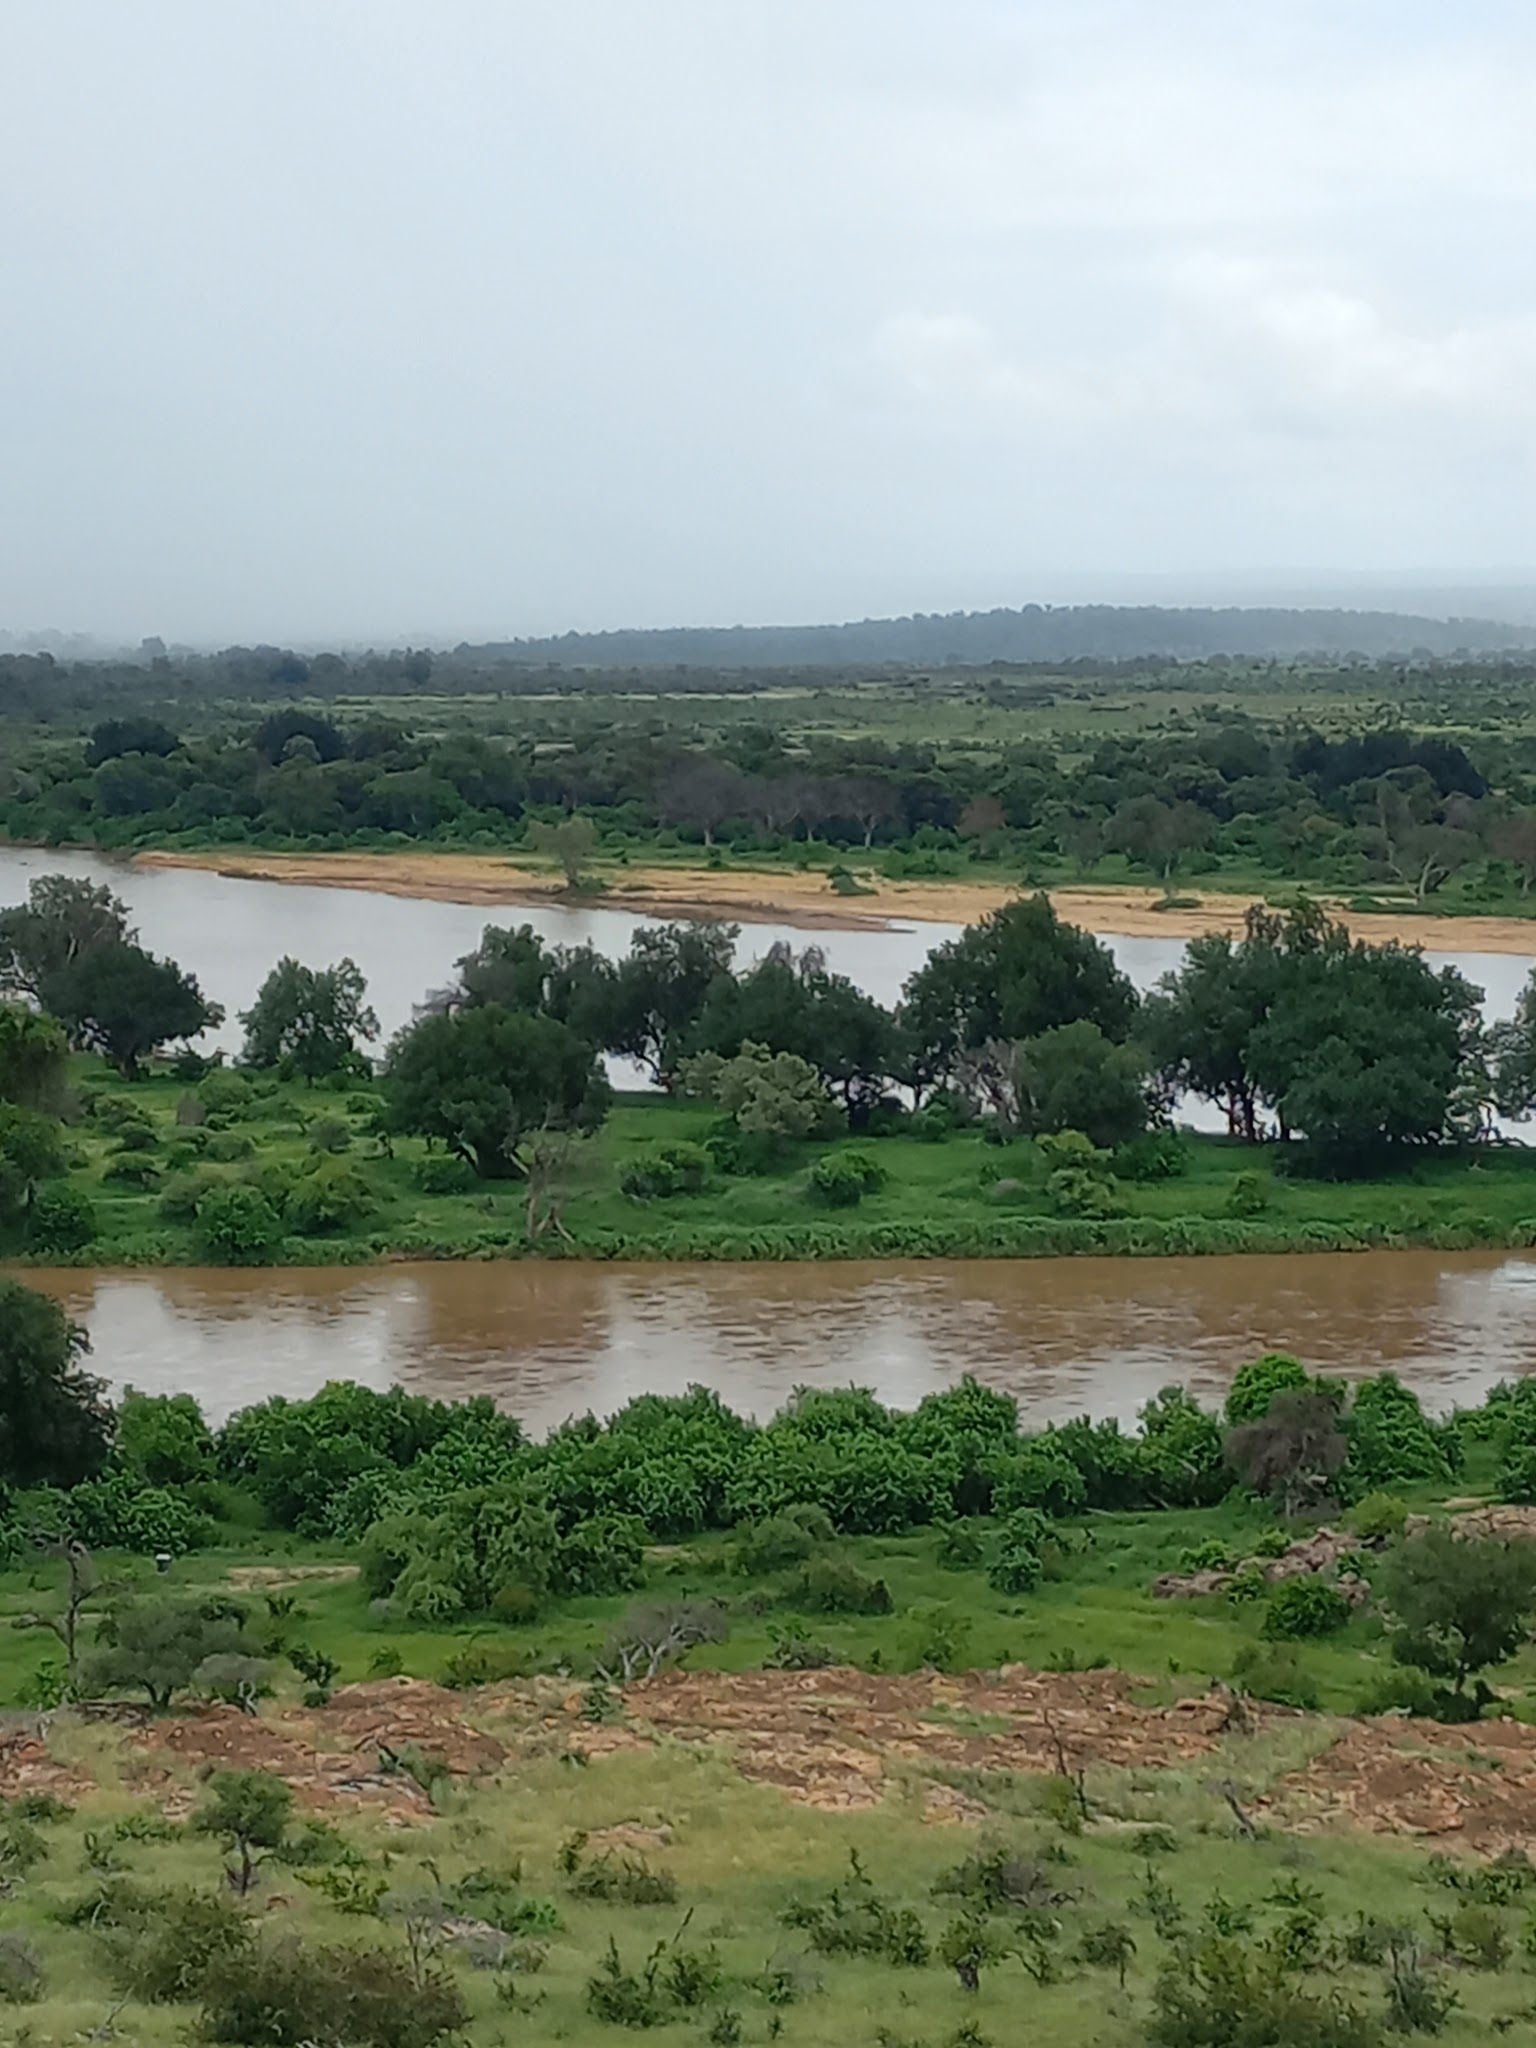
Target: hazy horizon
395, 321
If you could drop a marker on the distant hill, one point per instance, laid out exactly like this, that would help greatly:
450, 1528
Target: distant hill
1096, 632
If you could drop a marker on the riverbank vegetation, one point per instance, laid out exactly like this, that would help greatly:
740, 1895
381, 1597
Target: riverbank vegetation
561, 1862
1394, 785
1020, 1101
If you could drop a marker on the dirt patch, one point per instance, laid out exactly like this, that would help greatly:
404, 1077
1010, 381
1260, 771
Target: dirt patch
1465, 1787
804, 899
271, 1578
836, 1739
330, 1754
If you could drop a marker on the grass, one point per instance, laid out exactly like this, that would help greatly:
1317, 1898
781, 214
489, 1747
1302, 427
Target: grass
937, 1199
1094, 1607
740, 1855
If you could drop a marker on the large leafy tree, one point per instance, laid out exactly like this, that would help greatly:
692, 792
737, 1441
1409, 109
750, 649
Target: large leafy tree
1461, 1603
122, 1002
62, 920
513, 969
483, 1080
660, 987
1364, 1052
797, 1005
309, 1021
55, 1428
1017, 973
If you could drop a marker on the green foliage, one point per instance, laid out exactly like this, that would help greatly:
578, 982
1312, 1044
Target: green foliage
1249, 1195
238, 1225
22, 1979
1075, 1078
1461, 1603
247, 1811
841, 1180
282, 1994
54, 1424
159, 1645
163, 1945
1255, 1385
1390, 1441
162, 1439
773, 1095
482, 1080
1018, 1558
61, 1221
782, 1540
1302, 1607
1377, 1517
834, 1585
309, 1021
676, 1169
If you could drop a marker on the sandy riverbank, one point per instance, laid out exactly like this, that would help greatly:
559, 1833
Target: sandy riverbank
803, 899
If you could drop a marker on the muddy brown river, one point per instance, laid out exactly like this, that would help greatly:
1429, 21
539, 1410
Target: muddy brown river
1067, 1336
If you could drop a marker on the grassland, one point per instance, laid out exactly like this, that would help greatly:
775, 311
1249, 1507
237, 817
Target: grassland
959, 1196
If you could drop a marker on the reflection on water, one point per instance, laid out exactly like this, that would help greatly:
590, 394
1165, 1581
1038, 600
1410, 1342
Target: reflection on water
1066, 1336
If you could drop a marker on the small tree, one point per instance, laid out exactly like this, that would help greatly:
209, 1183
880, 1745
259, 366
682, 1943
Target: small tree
81, 1586
248, 1811
968, 1945
1462, 1603
570, 844
159, 1645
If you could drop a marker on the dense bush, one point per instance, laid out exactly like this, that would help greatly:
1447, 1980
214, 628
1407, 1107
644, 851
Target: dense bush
61, 1220
841, 1180
1304, 1606
834, 1585
665, 1171
1018, 1556
281, 1994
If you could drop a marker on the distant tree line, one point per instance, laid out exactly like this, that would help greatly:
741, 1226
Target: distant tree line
1383, 808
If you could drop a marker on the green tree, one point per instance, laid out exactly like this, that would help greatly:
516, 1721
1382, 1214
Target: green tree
33, 1053
309, 1021
248, 1812
570, 844
1255, 1385
1461, 1604
1019, 972
31, 1151
163, 1440
55, 1427
120, 1001
238, 1225
1158, 834
790, 1004
483, 1080
777, 1095
61, 922
660, 987
159, 1646
1073, 1078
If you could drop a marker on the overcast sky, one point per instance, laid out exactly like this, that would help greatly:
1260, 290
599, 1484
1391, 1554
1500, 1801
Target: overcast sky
448, 318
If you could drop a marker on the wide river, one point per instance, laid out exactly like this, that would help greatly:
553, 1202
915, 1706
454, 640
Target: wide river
550, 1340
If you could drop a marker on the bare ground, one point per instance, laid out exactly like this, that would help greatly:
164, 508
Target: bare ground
838, 1740
804, 900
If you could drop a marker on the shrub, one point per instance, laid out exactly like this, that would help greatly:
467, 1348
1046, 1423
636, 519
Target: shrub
1018, 1560
841, 1180
61, 1219
280, 1994
332, 1196
165, 1945
833, 1585
1302, 1607
21, 1971
1255, 1385
329, 1134
1274, 1672
133, 1169
1077, 1191
782, 1540
183, 1191
444, 1173
795, 1649
225, 1094
1378, 1516
1154, 1155
668, 1170
1391, 1443
228, 1146
1249, 1195
238, 1225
